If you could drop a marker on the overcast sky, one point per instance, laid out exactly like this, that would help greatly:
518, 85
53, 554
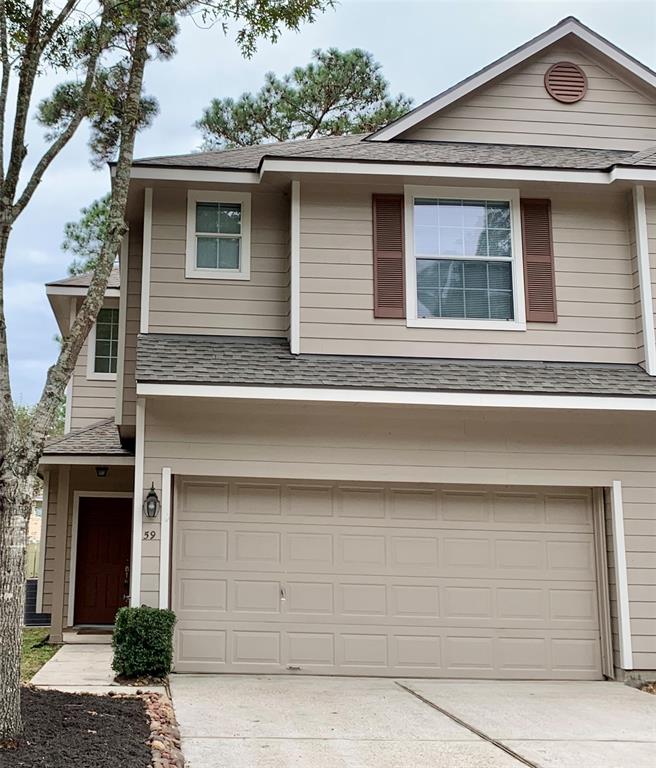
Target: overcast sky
424, 47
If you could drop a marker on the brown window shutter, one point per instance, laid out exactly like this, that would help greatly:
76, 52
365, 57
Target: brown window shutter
539, 271
389, 268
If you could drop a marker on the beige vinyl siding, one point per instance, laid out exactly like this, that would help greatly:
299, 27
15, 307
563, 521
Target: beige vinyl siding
516, 109
255, 307
594, 284
132, 321
422, 445
92, 400
81, 479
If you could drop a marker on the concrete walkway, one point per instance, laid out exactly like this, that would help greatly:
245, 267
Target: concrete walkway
83, 668
276, 722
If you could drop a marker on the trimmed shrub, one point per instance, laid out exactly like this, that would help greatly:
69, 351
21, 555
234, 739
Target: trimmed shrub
143, 642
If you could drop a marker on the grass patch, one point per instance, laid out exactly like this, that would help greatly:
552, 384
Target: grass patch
34, 652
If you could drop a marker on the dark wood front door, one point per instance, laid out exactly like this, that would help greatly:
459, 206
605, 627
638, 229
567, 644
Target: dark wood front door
102, 574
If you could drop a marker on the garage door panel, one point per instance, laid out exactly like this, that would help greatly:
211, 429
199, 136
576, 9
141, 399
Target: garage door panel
389, 580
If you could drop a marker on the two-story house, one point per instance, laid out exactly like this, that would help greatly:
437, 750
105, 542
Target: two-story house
393, 396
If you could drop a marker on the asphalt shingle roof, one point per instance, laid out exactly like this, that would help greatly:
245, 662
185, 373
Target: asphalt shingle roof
246, 361
100, 439
357, 148
84, 280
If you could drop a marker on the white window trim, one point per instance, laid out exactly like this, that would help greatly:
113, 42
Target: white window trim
467, 193
203, 196
92, 374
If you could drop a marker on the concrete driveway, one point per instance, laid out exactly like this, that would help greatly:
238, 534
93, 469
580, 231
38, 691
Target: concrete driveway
236, 721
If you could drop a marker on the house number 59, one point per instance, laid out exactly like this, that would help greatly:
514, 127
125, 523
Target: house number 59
150, 535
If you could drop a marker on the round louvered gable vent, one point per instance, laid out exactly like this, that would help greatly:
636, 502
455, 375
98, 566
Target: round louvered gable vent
566, 82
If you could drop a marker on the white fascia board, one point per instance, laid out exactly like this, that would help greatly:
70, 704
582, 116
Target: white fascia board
476, 172
78, 290
513, 59
637, 175
396, 397
194, 174
93, 460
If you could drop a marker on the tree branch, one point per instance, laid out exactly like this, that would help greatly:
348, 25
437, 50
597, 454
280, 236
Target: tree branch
4, 84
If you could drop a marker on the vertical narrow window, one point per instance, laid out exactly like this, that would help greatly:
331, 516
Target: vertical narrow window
106, 341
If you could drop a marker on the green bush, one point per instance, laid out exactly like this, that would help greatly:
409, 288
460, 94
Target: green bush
143, 642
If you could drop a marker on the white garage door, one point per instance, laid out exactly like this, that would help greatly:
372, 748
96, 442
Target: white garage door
384, 580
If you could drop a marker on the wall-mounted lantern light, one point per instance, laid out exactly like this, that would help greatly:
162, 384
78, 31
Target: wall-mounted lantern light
151, 505
102, 471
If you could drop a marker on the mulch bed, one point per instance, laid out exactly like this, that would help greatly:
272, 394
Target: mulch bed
63, 730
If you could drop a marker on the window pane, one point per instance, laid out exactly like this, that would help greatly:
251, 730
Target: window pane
499, 242
103, 331
112, 365
103, 348
475, 242
207, 253
228, 252
464, 289
106, 348
450, 213
102, 365
476, 304
451, 241
427, 241
498, 215
474, 214
425, 212
207, 217
501, 305
230, 218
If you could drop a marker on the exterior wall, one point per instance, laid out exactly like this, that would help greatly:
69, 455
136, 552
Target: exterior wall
255, 307
594, 284
516, 109
92, 400
650, 204
59, 533
415, 445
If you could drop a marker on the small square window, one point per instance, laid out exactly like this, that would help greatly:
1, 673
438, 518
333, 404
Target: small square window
218, 235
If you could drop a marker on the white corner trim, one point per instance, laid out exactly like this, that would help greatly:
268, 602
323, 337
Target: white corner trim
400, 397
621, 578
644, 278
43, 543
137, 515
511, 196
165, 539
295, 269
77, 495
195, 196
145, 258
122, 326
153, 173
507, 62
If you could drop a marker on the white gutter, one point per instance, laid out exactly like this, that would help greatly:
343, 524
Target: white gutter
396, 397
84, 459
75, 290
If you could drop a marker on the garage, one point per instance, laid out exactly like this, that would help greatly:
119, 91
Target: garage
384, 579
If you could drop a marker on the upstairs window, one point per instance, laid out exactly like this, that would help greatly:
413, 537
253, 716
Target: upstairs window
103, 345
465, 260
218, 235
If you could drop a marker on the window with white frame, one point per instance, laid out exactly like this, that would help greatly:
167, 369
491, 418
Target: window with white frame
105, 343
218, 235
464, 254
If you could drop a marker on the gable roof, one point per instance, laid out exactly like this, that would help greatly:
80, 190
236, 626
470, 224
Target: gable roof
99, 439
569, 27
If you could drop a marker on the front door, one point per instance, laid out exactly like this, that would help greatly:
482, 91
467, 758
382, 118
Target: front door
102, 575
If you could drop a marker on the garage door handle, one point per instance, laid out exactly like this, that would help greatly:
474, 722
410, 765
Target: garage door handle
283, 596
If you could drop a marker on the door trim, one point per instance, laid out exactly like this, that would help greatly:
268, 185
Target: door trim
603, 593
77, 495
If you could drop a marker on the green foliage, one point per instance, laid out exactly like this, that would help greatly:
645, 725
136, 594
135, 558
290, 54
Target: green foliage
84, 238
338, 93
143, 642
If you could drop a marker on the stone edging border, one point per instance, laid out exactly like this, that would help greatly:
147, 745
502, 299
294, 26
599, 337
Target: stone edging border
164, 733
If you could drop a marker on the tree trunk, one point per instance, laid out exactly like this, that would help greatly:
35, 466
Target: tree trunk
15, 501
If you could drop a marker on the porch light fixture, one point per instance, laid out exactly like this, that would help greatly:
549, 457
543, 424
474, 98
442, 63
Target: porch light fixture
151, 505
102, 471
